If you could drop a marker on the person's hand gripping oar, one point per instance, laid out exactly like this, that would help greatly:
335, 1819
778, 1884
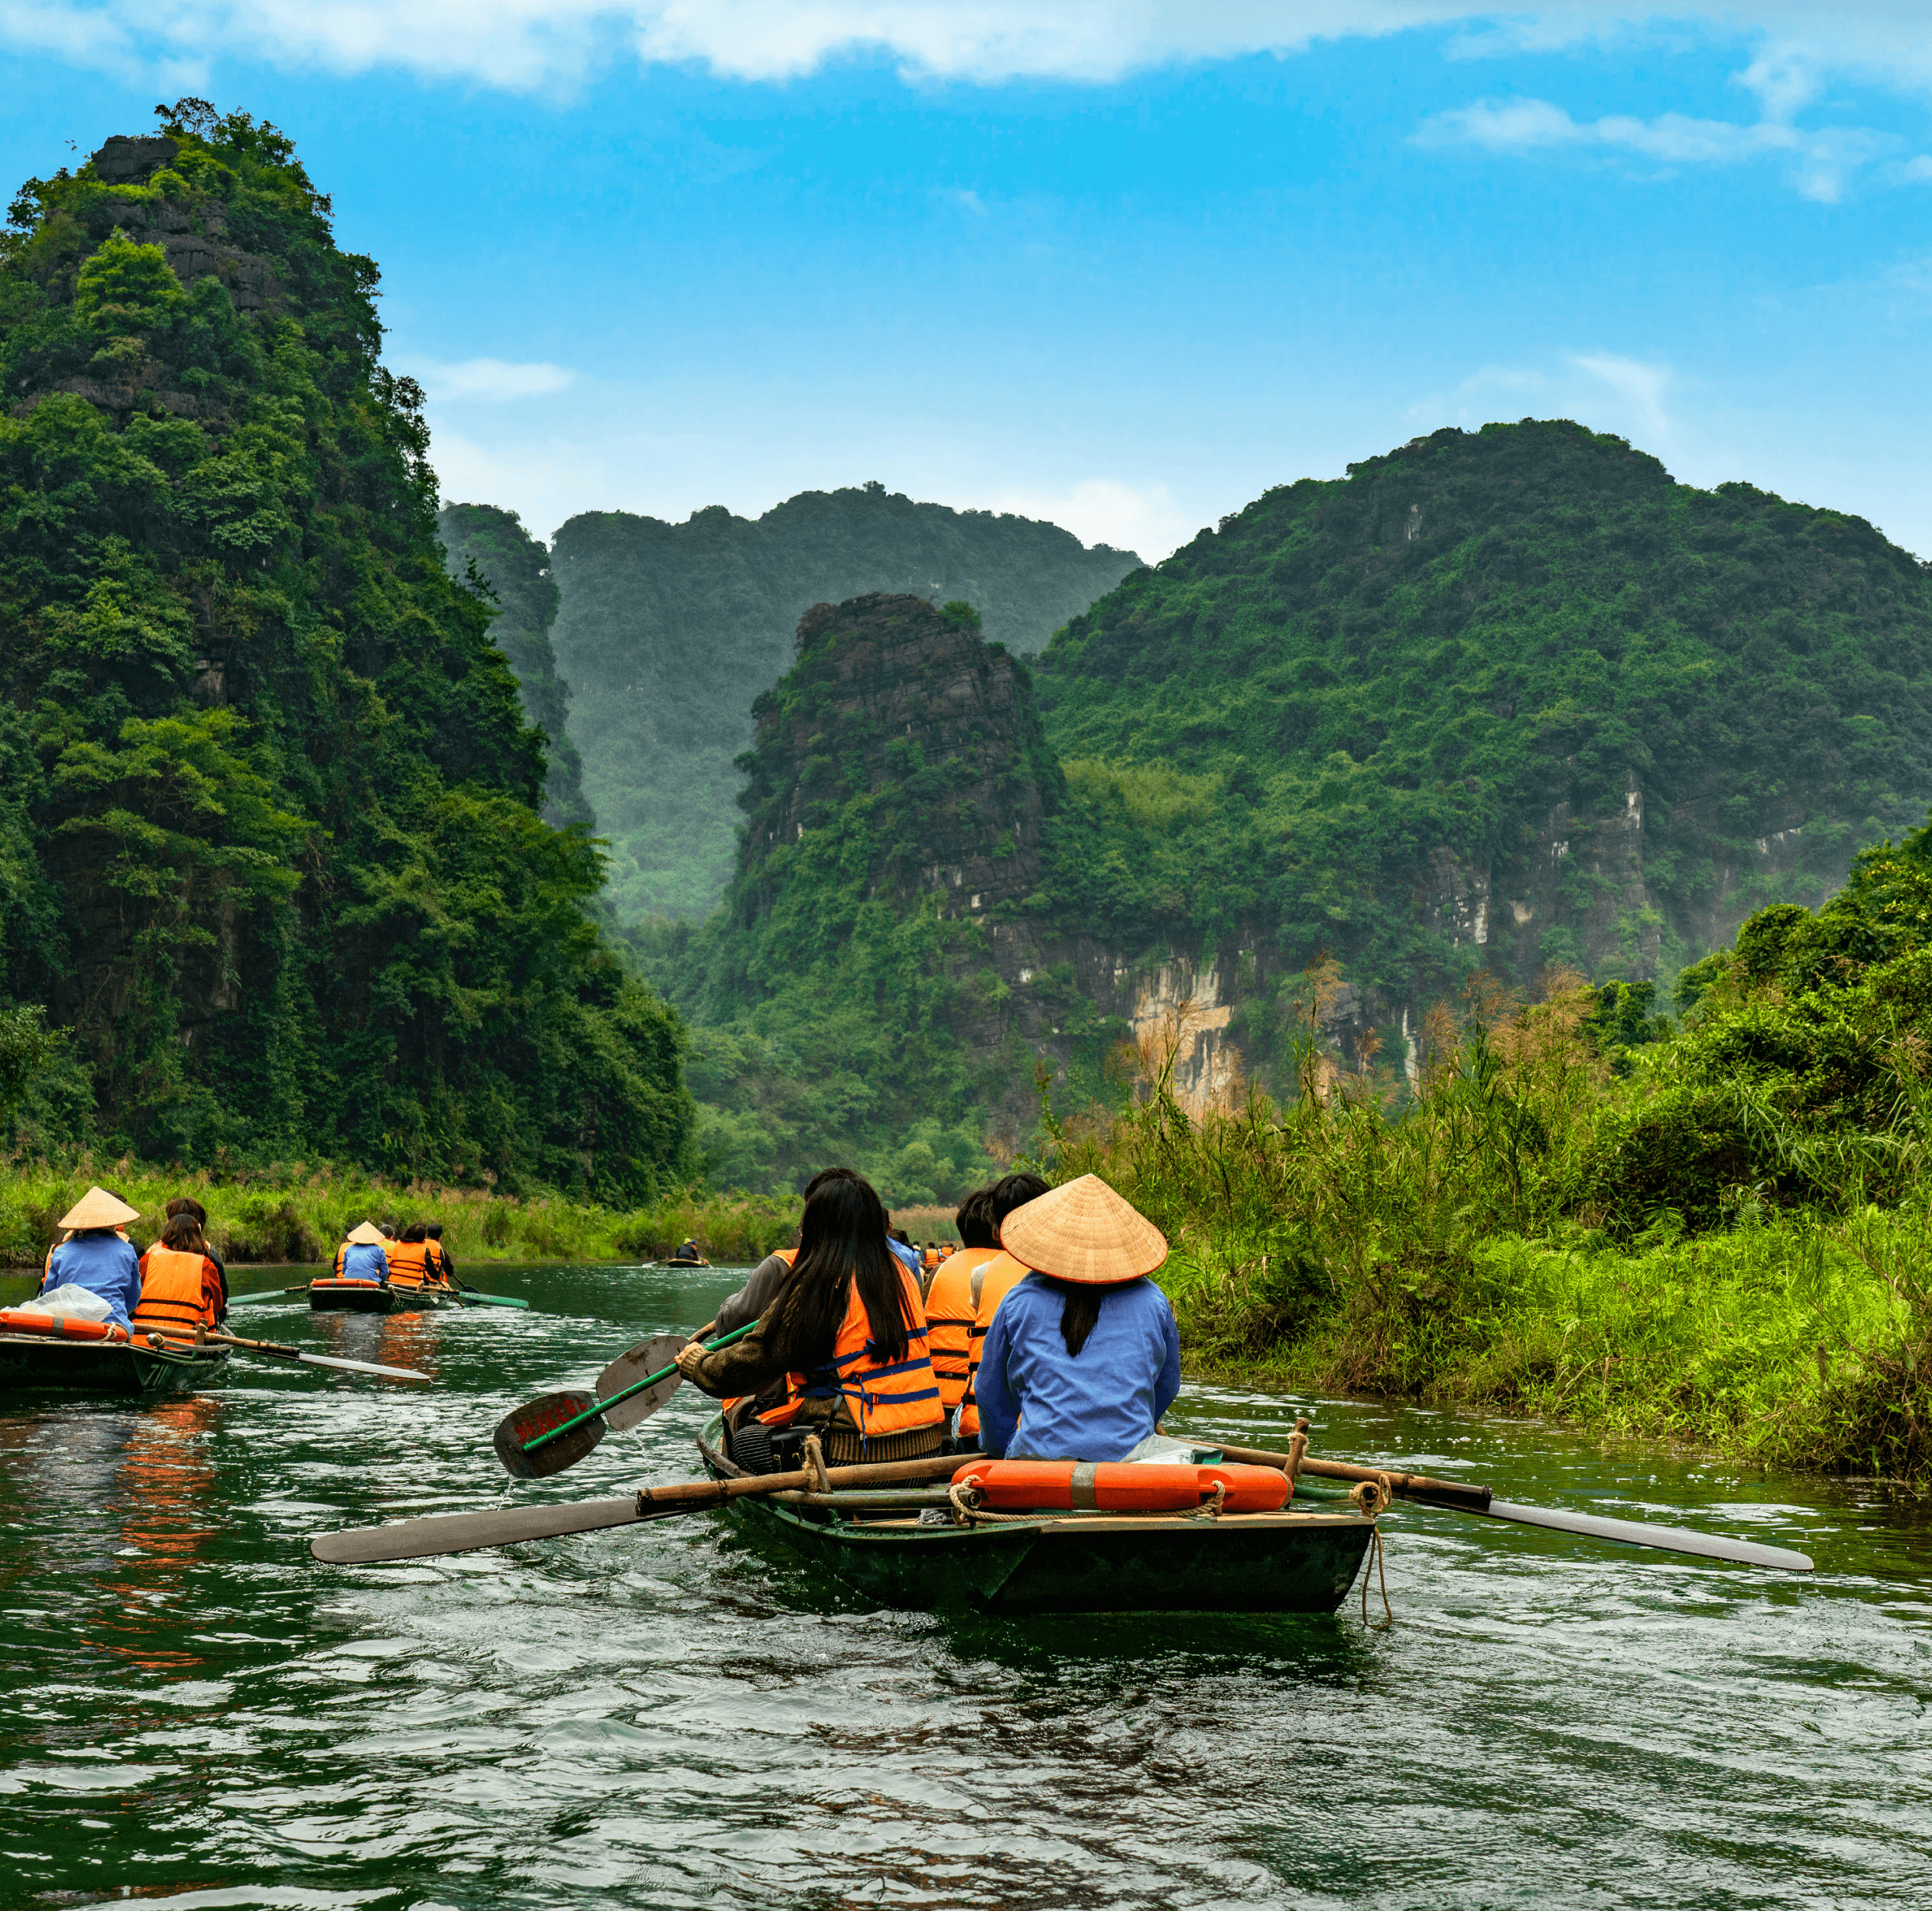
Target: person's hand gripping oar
557, 1430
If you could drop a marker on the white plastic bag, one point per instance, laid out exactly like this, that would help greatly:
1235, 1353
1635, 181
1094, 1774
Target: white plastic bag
70, 1302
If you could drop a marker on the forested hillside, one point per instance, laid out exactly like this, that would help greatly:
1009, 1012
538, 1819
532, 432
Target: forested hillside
1497, 699
516, 568
668, 632
270, 846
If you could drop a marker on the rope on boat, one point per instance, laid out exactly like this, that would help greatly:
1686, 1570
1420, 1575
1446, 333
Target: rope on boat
1388, 1612
1373, 1497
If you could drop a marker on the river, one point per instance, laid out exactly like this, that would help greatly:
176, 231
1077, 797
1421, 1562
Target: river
667, 1716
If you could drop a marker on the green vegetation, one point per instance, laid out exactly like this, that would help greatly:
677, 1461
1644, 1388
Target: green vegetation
1303, 730
297, 1212
514, 568
269, 853
1720, 1234
668, 631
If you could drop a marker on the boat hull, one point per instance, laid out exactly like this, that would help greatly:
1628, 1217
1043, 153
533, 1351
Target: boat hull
39, 1364
1285, 1563
366, 1297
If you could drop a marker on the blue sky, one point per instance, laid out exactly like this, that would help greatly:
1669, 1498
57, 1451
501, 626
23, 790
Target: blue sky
1124, 266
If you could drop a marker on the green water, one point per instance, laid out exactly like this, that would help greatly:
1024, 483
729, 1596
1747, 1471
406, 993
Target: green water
667, 1716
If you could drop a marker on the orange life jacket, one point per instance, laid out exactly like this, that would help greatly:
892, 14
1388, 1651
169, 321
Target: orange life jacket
990, 1280
949, 1323
882, 1397
408, 1263
179, 1292
436, 1259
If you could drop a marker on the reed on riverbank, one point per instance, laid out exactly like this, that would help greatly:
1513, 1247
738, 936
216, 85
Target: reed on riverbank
1458, 1242
296, 1212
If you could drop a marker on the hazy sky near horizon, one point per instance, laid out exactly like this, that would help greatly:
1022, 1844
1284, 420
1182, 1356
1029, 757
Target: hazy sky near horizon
1124, 266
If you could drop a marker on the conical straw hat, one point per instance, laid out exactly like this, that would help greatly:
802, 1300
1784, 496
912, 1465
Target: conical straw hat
1084, 1231
98, 1208
367, 1235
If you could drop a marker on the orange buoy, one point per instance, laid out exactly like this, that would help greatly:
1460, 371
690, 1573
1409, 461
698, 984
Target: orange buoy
18, 1321
1122, 1486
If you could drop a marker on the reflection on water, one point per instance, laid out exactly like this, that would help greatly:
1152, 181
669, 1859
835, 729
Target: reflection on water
673, 1716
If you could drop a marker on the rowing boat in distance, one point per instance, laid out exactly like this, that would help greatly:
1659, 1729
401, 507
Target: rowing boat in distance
60, 1358
374, 1297
1302, 1559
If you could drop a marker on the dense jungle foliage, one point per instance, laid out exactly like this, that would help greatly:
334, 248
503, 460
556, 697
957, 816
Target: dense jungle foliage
267, 841
514, 567
1481, 644
1721, 1231
668, 631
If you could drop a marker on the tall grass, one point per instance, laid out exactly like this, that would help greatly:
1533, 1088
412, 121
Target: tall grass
296, 1212
1437, 1238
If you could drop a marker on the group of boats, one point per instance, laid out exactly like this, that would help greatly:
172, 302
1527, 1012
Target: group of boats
921, 1535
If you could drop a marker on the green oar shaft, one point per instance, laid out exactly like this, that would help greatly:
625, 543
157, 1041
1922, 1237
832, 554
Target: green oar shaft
596, 1407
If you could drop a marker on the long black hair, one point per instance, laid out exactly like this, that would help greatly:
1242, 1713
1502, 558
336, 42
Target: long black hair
841, 1241
1079, 1311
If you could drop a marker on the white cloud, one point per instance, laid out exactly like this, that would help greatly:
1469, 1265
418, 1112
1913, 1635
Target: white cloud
1640, 385
1820, 160
1141, 518
532, 45
484, 380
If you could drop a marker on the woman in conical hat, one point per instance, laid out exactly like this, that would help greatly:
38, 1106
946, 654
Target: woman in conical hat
97, 1255
1082, 1357
361, 1256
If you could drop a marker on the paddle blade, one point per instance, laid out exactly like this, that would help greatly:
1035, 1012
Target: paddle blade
469, 1532
1641, 1532
363, 1367
647, 1357
471, 1297
517, 1428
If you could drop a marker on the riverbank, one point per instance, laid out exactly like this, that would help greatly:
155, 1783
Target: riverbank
1456, 1246
297, 1213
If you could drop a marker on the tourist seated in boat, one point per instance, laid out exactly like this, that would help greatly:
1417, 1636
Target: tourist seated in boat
1082, 1357
187, 1205
97, 1254
443, 1267
409, 1259
988, 1283
361, 1256
767, 1277
949, 1298
841, 1350
182, 1286
687, 1251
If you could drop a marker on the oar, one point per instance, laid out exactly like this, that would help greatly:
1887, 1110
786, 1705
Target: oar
268, 1294
274, 1350
478, 1298
555, 1431
1462, 1497
470, 1532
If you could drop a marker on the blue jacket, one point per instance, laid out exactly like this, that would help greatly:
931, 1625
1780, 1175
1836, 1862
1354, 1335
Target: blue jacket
1100, 1407
907, 1257
363, 1260
104, 1264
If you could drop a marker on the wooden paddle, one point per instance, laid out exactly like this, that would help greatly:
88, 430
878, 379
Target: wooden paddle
274, 1350
470, 1532
477, 1298
1461, 1497
555, 1431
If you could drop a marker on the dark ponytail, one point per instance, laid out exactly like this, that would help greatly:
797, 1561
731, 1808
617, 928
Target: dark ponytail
1079, 1311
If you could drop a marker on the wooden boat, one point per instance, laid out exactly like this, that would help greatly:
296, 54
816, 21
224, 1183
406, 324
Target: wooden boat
1302, 1559
370, 1297
33, 1362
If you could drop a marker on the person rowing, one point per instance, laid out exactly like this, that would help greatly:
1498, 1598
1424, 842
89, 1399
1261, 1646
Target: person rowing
688, 1253
442, 1264
182, 1286
187, 1205
1082, 1356
361, 1256
97, 1255
841, 1349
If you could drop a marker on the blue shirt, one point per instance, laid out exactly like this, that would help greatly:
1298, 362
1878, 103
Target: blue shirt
104, 1264
1100, 1407
364, 1260
907, 1257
